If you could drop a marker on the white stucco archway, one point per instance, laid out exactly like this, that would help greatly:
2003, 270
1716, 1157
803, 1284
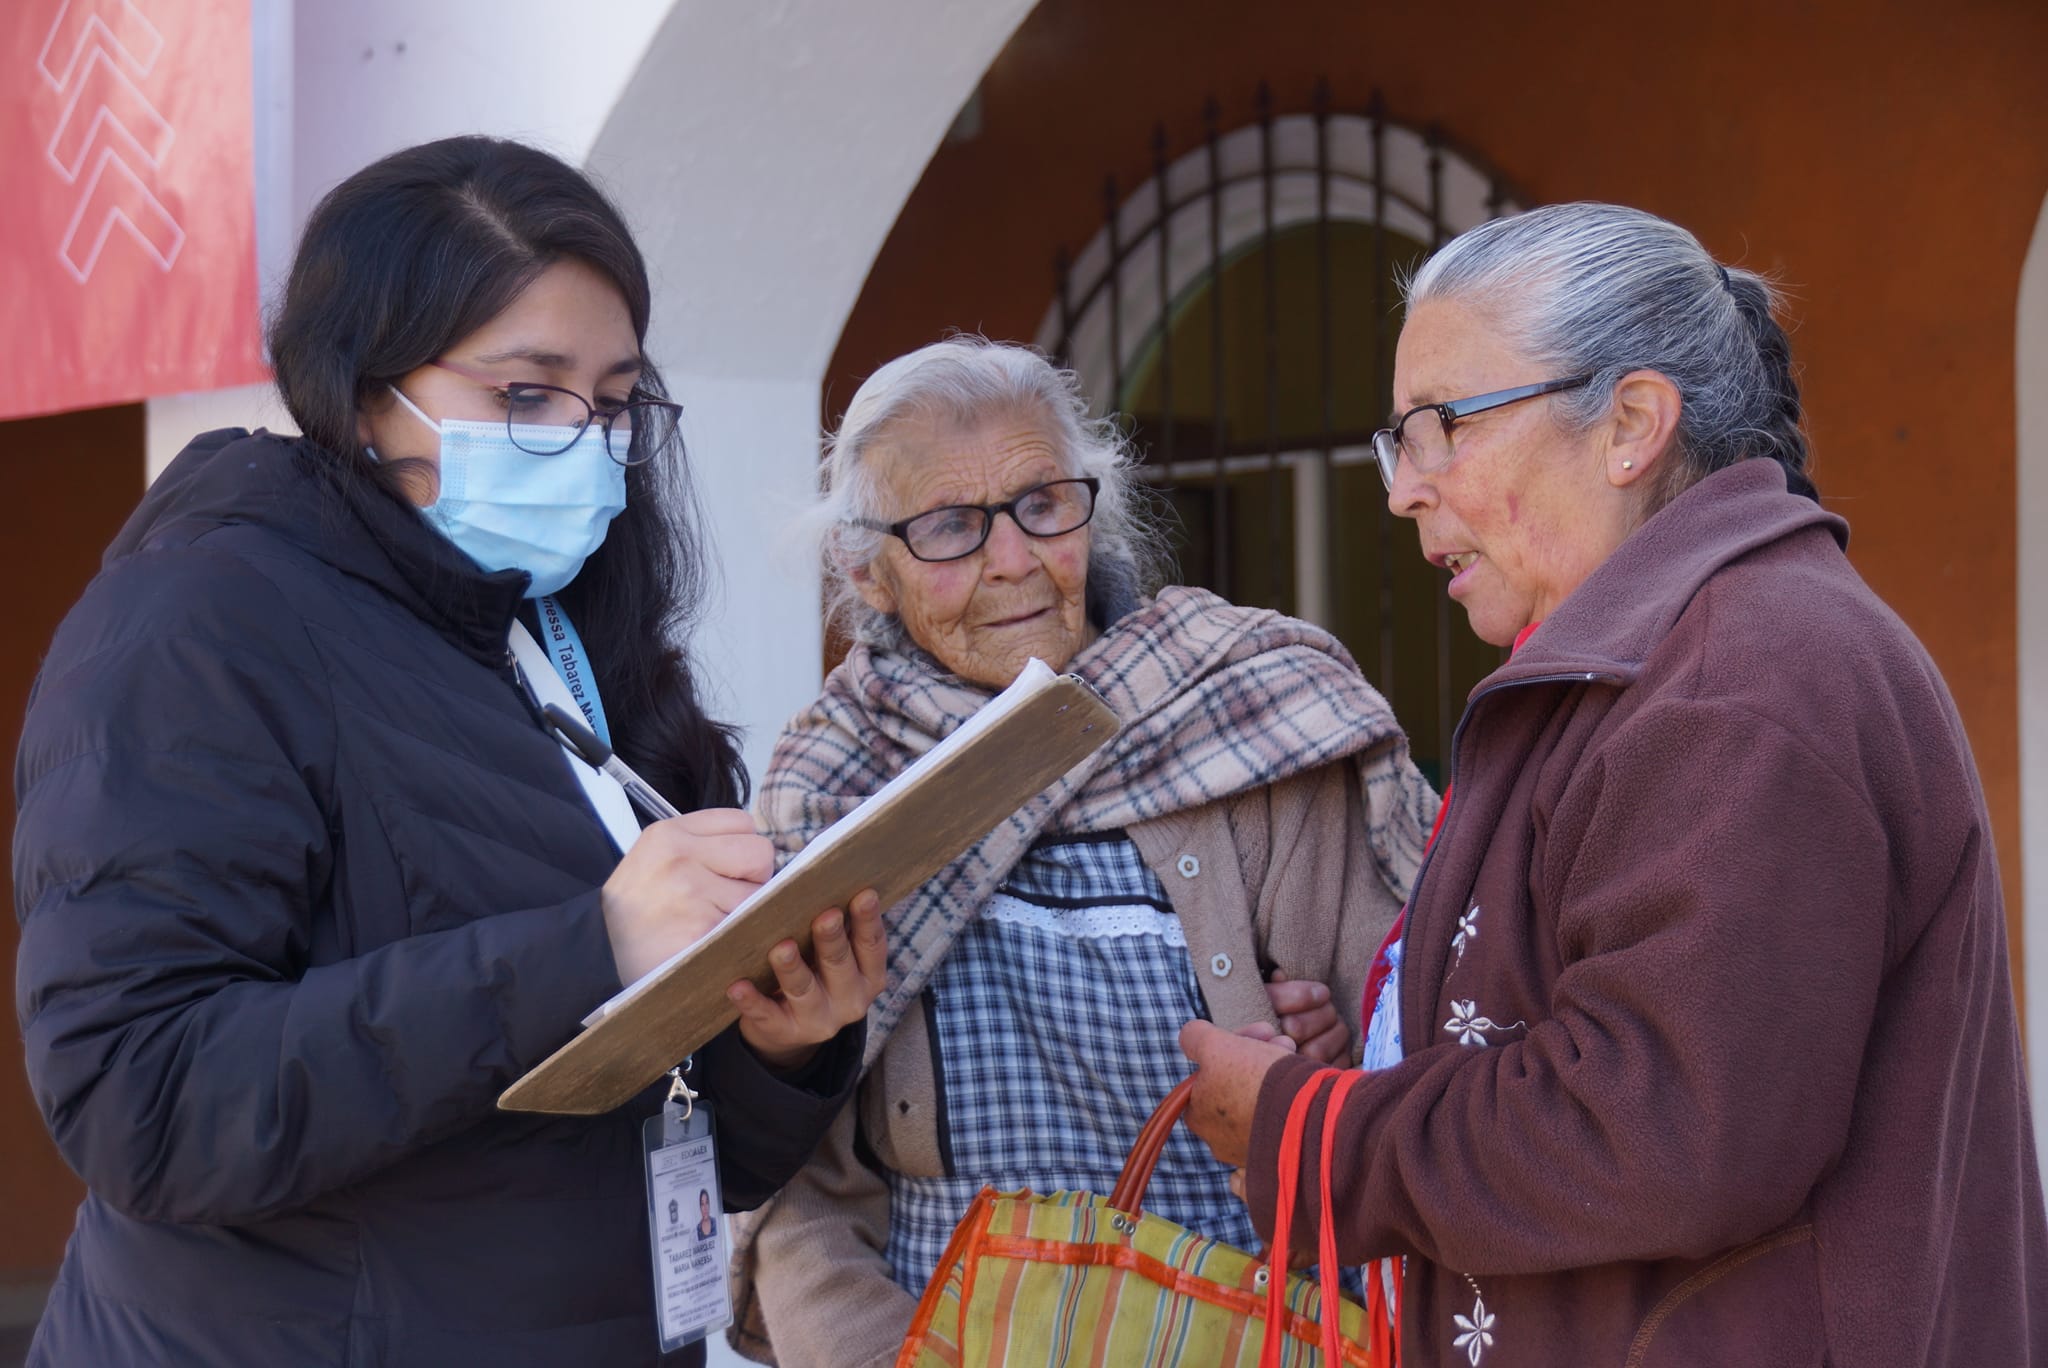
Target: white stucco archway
2032, 572
762, 152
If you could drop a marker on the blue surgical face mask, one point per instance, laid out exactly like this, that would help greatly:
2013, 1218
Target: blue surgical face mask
512, 510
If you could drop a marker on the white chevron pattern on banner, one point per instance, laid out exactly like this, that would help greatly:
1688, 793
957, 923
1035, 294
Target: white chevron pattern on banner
110, 138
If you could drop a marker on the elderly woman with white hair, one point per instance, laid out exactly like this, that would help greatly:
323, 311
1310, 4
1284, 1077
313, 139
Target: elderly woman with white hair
1698, 1039
1235, 854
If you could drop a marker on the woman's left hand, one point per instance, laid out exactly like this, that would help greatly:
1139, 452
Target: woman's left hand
1309, 1019
818, 999
1228, 1071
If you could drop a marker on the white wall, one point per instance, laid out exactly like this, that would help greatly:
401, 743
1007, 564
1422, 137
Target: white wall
372, 76
340, 83
2033, 603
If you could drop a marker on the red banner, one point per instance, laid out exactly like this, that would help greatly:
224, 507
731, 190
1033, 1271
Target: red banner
128, 240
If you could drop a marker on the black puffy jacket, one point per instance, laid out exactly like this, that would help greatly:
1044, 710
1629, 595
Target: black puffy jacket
302, 886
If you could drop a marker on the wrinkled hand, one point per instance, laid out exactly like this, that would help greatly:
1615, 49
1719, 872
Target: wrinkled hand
1228, 1071
816, 999
1309, 1019
677, 882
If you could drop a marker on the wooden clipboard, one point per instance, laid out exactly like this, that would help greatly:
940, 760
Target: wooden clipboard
920, 823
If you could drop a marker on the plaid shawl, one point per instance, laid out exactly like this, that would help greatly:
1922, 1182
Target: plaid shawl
1215, 699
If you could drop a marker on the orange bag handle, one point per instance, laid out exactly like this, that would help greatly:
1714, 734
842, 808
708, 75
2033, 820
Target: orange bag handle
1338, 1083
1129, 1196
1283, 1216
1326, 1244
1129, 1193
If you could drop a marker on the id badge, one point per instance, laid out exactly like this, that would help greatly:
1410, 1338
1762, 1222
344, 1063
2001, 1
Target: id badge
685, 1220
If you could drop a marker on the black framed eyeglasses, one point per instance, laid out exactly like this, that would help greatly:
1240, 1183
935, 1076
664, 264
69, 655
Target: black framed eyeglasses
546, 420
1052, 509
1428, 446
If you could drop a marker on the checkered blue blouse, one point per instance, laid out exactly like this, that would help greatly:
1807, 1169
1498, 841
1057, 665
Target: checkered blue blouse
1055, 1023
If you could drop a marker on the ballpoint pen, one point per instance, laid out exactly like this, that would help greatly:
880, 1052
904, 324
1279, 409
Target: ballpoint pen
598, 756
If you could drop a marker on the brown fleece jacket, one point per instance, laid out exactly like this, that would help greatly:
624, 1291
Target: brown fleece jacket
1724, 1068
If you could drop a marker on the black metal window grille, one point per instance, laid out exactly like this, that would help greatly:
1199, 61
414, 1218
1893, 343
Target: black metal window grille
1239, 309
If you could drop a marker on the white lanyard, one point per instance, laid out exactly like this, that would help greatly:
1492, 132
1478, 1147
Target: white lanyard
613, 807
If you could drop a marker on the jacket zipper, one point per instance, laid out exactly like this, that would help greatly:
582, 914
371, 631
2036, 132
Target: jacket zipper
1429, 857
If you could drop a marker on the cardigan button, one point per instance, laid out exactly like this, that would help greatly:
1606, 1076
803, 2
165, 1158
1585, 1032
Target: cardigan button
1220, 966
1188, 866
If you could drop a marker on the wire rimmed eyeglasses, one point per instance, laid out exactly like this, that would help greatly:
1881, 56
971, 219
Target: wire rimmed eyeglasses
1428, 446
546, 420
949, 533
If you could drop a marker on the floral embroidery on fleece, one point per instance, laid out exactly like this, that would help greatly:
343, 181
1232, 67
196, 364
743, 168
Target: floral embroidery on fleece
1470, 1028
1468, 931
1478, 1330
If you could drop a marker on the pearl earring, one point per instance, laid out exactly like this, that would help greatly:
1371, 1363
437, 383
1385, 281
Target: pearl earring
1628, 465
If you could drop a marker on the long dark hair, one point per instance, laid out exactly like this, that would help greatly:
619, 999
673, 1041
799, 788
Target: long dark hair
414, 253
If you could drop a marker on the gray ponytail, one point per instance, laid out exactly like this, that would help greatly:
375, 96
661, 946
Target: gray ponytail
1603, 290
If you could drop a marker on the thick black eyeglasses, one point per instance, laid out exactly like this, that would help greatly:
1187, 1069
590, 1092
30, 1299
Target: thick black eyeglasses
956, 530
1428, 445
546, 420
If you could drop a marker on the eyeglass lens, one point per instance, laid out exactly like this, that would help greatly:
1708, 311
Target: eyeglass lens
1424, 443
1047, 511
641, 432
545, 421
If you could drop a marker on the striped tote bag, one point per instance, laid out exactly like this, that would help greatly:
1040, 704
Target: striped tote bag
1072, 1279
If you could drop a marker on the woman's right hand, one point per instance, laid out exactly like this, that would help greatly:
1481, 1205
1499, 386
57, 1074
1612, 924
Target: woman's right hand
677, 882
818, 997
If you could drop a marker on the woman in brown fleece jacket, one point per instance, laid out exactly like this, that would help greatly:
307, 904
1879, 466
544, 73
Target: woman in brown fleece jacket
1698, 1034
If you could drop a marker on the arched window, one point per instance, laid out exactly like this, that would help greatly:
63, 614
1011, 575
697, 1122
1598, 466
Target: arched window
1240, 308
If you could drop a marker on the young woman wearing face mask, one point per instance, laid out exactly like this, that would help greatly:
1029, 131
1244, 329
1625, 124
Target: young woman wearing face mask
304, 880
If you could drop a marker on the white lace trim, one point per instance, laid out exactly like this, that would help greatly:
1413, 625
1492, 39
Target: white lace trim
1087, 923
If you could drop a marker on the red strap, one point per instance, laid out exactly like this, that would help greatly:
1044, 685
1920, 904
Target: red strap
1283, 1214
1438, 825
1391, 1346
1326, 1240
1337, 1084
1383, 1311
1381, 965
